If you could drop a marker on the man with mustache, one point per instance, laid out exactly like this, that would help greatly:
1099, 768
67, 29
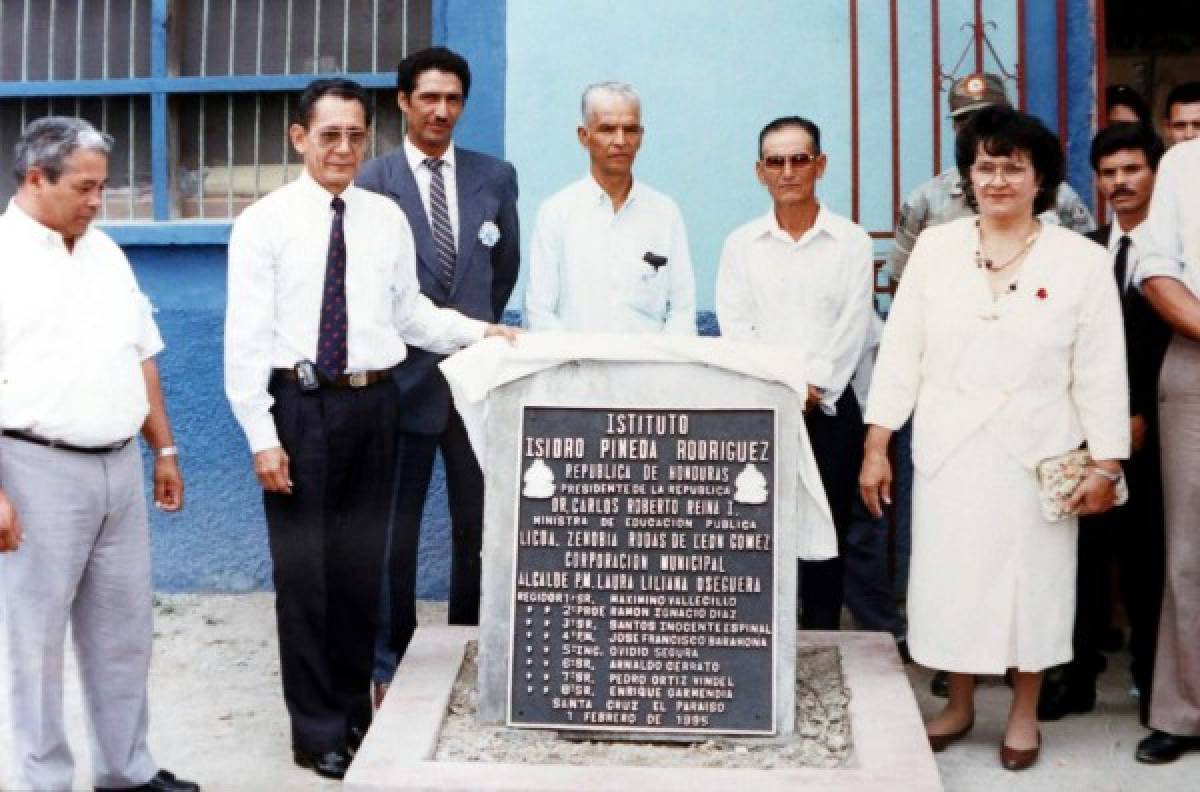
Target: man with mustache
462, 208
1124, 157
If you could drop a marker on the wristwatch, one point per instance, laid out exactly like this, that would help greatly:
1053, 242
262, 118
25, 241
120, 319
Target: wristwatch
166, 451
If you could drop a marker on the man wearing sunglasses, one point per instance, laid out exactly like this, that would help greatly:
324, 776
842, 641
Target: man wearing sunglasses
800, 277
323, 303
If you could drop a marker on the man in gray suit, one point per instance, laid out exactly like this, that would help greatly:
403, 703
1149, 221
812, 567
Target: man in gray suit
462, 206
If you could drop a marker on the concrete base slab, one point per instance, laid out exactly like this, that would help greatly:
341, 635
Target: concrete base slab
890, 748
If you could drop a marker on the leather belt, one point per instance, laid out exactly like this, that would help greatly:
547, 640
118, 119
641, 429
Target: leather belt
30, 437
356, 379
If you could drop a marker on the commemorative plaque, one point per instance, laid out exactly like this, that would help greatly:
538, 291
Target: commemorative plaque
643, 595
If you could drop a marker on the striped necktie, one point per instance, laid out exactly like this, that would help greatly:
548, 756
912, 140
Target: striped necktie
443, 233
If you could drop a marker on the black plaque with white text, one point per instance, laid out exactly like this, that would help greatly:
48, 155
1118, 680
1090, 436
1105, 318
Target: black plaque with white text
645, 571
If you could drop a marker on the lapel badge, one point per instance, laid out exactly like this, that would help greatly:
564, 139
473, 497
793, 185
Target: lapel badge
489, 235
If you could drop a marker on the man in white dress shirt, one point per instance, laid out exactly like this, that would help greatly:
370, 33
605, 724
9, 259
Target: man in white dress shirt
610, 254
323, 297
801, 277
77, 381
1124, 156
1169, 277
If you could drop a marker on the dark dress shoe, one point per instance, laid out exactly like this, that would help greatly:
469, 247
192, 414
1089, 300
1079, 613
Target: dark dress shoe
163, 781
328, 765
1064, 696
939, 742
1161, 747
1014, 759
940, 684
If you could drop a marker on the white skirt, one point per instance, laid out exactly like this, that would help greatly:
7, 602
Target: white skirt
991, 583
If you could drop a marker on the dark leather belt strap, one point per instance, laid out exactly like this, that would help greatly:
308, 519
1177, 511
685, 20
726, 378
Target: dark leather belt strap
359, 379
30, 437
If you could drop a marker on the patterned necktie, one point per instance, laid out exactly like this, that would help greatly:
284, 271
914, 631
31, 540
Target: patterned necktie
332, 354
1122, 262
443, 234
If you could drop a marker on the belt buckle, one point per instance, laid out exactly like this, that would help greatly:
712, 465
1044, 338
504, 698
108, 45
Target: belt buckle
357, 379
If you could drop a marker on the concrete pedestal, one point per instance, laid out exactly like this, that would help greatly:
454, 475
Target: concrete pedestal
890, 752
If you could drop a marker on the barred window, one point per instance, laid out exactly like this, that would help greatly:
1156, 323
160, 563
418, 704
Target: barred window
219, 145
240, 37
74, 39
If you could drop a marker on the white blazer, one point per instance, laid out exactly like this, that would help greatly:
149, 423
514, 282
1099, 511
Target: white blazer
1043, 365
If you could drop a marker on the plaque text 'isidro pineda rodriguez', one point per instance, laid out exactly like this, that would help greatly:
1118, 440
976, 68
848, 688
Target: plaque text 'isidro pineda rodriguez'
645, 566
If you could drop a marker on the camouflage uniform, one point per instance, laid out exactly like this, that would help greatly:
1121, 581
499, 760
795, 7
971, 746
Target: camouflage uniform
941, 200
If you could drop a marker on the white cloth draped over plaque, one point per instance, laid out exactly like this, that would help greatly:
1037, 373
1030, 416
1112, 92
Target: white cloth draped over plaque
474, 372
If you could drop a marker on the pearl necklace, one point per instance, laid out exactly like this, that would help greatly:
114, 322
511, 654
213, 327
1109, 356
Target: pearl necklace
986, 263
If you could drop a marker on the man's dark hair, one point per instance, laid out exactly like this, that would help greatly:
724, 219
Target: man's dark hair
785, 122
1130, 135
1184, 93
1001, 130
438, 58
330, 86
1121, 95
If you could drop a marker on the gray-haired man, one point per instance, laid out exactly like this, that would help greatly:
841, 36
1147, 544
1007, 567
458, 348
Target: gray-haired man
77, 382
610, 254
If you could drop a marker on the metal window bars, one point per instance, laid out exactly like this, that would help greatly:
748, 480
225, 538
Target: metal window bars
226, 149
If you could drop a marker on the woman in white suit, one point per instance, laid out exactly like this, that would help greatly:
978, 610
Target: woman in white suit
1005, 344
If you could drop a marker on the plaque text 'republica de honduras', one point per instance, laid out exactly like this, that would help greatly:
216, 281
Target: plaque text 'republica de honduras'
645, 565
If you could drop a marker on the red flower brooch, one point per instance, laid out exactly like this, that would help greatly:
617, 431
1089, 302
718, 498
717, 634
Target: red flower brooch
1042, 294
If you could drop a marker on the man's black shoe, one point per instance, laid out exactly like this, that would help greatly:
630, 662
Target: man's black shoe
940, 684
163, 781
1062, 696
1160, 747
329, 765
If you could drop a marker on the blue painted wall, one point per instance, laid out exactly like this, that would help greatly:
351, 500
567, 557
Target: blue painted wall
475, 29
711, 74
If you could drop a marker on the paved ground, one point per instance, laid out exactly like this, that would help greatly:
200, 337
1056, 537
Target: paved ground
217, 715
1081, 753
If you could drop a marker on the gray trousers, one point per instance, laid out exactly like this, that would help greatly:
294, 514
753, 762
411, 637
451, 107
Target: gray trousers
85, 559
1175, 705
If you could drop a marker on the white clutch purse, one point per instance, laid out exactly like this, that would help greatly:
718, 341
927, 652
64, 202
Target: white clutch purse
1060, 476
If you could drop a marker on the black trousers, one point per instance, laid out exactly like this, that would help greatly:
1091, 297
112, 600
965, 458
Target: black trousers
464, 492
326, 540
1132, 537
837, 444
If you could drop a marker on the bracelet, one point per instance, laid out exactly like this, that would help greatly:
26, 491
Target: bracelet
1113, 477
166, 451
